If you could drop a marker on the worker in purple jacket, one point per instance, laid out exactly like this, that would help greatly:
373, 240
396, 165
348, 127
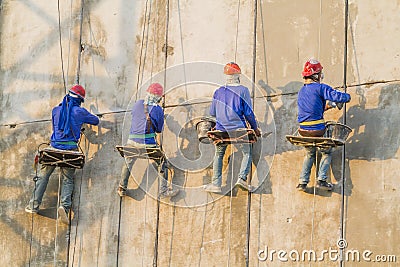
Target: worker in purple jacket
232, 107
67, 120
313, 99
147, 123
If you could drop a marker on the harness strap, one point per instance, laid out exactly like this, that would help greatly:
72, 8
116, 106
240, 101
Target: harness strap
149, 124
309, 123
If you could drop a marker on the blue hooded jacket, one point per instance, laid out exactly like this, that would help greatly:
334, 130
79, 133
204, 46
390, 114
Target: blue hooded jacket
231, 105
311, 103
140, 132
67, 120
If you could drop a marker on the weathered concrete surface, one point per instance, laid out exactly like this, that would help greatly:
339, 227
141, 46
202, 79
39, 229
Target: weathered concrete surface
124, 45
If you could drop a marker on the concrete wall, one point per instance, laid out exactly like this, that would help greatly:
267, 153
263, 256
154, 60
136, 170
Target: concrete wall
128, 44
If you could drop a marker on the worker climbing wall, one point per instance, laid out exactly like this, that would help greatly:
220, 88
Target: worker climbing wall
115, 49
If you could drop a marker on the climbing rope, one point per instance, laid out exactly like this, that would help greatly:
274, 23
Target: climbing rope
69, 41
77, 81
232, 155
58, 203
237, 29
155, 259
35, 179
253, 80
343, 178
60, 41
77, 213
78, 70
188, 114
146, 44
319, 28
141, 69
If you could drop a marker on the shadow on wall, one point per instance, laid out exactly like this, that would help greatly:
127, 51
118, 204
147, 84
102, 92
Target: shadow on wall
285, 116
376, 131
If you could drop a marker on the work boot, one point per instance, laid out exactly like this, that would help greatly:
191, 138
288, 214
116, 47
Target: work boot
243, 185
30, 209
121, 191
212, 188
324, 185
63, 215
168, 193
301, 187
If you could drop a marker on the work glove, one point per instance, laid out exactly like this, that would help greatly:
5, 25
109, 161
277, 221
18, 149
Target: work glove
257, 132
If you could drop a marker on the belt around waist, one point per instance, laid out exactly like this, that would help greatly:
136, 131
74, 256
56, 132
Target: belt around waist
70, 143
309, 123
149, 135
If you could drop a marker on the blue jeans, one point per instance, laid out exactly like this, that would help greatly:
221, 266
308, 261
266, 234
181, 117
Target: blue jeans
67, 188
309, 160
218, 160
127, 167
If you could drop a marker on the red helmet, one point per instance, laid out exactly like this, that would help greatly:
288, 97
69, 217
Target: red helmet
156, 89
311, 67
232, 68
78, 90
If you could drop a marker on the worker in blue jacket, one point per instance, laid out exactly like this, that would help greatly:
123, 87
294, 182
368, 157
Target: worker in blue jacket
67, 120
232, 108
313, 99
146, 125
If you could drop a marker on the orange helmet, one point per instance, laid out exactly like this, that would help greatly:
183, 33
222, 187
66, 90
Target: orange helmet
155, 89
311, 67
78, 90
232, 68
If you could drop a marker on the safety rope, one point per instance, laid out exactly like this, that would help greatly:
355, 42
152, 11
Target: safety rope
253, 80
60, 41
155, 30
260, 3
343, 178
141, 69
155, 259
316, 149
188, 114
58, 203
319, 29
264, 41
237, 29
314, 200
77, 213
149, 161
81, 178
78, 70
147, 42
232, 160
35, 179
69, 41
